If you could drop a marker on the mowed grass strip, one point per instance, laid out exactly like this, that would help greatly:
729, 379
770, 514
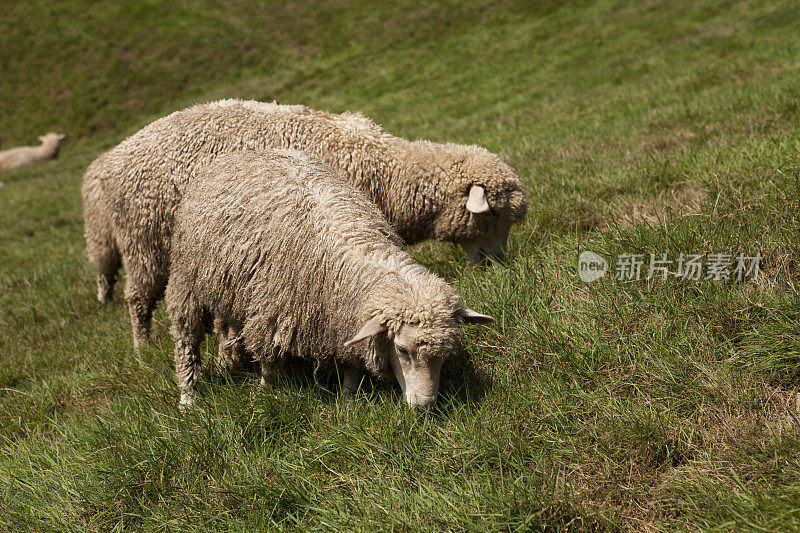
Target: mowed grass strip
646, 128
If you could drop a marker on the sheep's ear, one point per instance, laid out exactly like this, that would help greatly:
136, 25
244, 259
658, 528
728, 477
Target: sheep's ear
371, 328
470, 316
41, 138
477, 200
61, 136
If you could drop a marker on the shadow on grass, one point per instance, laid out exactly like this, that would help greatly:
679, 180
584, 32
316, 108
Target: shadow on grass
461, 382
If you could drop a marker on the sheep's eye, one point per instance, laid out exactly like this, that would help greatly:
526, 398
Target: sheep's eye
402, 351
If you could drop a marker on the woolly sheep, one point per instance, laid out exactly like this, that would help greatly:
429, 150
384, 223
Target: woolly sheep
302, 264
450, 192
22, 155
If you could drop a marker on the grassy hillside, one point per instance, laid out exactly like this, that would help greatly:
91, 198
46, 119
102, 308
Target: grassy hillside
637, 127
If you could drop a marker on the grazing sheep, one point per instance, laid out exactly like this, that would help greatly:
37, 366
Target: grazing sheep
298, 261
22, 155
450, 192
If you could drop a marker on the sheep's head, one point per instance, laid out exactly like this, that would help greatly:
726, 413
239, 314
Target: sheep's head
412, 333
485, 198
52, 138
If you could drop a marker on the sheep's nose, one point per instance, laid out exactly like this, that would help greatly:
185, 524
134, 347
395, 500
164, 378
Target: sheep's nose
420, 403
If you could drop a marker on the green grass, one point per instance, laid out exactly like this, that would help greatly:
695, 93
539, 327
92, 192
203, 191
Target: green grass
636, 127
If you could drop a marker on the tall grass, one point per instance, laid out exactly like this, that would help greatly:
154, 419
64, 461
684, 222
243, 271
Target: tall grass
637, 128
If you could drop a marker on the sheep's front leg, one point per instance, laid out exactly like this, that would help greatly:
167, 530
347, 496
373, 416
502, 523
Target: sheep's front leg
143, 287
105, 286
272, 361
269, 370
351, 379
187, 365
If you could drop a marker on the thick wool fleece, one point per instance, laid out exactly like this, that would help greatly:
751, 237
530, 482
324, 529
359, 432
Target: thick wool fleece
23, 155
296, 260
421, 187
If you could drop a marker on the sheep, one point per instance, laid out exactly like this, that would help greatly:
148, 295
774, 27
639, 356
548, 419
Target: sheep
426, 190
22, 155
298, 261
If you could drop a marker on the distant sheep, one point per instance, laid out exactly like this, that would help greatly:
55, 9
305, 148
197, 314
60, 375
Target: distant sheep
449, 192
23, 155
302, 264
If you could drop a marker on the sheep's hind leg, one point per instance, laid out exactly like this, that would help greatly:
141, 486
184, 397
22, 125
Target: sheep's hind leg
107, 275
105, 257
101, 248
231, 349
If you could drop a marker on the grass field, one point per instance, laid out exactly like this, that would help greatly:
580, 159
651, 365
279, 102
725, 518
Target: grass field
637, 128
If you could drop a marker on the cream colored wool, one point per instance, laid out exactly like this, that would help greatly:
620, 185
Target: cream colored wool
295, 259
22, 155
421, 187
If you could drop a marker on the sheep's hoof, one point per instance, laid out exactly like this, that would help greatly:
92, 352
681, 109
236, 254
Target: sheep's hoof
140, 341
187, 402
349, 401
